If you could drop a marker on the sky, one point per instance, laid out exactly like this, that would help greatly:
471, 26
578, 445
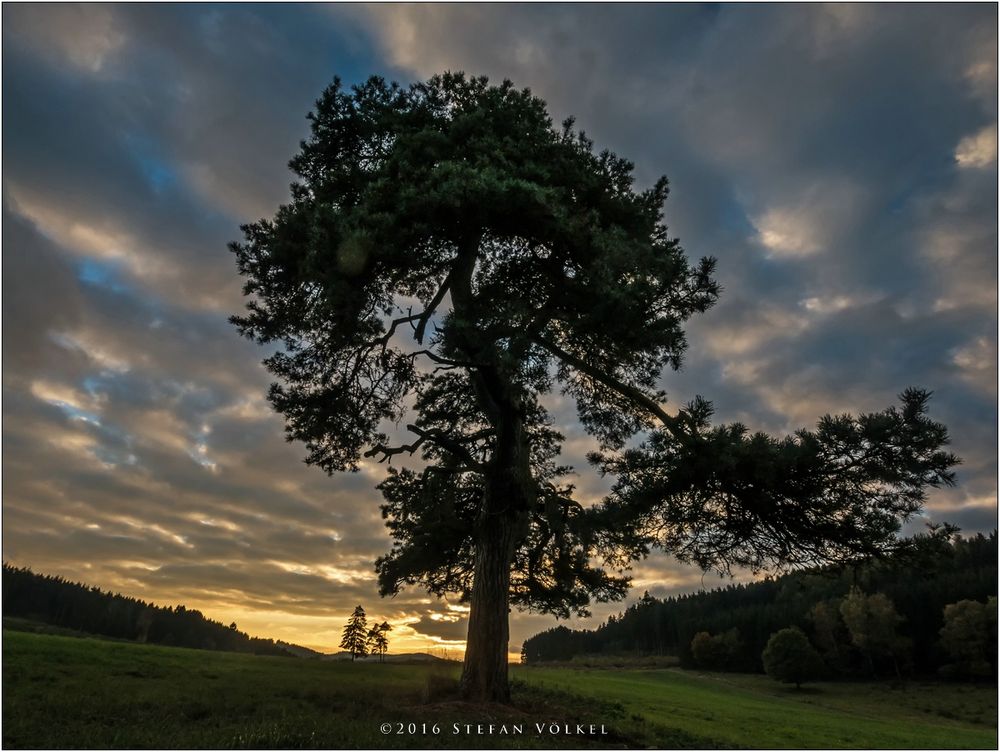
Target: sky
840, 162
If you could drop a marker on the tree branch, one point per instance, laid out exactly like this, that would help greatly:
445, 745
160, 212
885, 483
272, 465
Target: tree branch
388, 452
449, 445
365, 348
445, 361
632, 394
429, 311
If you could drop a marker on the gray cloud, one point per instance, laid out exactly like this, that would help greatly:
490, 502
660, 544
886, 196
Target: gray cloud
443, 629
839, 160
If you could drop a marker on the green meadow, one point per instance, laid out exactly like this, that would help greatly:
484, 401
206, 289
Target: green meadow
63, 692
743, 710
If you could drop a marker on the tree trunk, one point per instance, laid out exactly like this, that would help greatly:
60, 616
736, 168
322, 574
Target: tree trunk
501, 524
507, 494
484, 676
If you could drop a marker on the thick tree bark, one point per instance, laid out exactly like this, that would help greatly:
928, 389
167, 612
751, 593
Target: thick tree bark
498, 530
484, 676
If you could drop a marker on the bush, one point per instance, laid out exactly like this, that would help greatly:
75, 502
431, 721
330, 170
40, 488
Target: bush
790, 658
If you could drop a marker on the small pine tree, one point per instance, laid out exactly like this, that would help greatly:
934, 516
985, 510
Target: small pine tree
378, 643
355, 639
790, 658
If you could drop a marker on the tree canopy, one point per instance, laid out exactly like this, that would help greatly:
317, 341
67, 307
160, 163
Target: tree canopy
790, 658
457, 188
873, 623
969, 635
451, 262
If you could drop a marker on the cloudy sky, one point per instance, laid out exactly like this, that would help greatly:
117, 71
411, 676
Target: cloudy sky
840, 161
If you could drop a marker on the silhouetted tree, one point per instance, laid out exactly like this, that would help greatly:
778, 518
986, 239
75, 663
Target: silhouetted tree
790, 658
446, 250
355, 635
378, 642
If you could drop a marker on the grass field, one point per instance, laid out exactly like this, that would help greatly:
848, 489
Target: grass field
70, 692
740, 710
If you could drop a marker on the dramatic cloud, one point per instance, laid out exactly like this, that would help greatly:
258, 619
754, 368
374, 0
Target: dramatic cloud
840, 161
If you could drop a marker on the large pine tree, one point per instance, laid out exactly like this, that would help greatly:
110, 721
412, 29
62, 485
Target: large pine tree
449, 255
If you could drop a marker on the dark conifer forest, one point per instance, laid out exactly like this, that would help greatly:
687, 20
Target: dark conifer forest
74, 606
928, 575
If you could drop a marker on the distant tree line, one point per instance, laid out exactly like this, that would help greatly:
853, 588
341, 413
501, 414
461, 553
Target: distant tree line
58, 602
884, 617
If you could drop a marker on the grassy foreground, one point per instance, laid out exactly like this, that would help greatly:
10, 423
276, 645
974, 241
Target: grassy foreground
70, 692
741, 710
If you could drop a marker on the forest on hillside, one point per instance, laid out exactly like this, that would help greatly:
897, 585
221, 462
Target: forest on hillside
929, 573
71, 605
